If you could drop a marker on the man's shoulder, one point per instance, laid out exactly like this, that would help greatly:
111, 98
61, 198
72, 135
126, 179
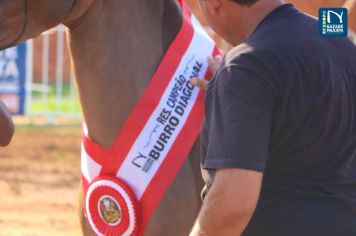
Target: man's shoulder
279, 35
237, 54
250, 57
287, 25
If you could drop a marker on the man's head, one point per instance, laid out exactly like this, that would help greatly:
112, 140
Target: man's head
235, 20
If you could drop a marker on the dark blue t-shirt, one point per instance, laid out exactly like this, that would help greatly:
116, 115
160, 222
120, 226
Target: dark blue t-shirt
284, 103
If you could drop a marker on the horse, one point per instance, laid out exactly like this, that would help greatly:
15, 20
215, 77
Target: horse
115, 47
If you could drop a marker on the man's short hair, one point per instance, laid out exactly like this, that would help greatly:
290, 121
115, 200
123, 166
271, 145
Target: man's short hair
245, 2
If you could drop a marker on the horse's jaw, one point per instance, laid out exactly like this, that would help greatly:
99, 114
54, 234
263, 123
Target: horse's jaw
12, 22
21, 20
79, 9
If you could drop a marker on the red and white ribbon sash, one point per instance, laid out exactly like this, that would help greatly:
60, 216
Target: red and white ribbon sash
158, 134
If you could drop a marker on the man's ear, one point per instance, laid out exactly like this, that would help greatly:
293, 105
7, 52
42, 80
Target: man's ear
214, 6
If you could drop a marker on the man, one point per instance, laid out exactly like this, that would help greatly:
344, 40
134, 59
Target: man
280, 130
6, 125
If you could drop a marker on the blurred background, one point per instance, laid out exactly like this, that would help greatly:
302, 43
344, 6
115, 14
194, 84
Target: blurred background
40, 170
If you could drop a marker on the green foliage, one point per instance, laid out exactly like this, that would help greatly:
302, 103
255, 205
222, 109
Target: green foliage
48, 102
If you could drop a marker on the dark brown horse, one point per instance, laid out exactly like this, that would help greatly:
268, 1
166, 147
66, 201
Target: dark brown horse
115, 48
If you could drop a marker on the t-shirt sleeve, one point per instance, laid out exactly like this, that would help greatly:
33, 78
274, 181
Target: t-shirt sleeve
239, 120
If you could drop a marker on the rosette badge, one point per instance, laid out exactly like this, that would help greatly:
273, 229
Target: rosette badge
112, 207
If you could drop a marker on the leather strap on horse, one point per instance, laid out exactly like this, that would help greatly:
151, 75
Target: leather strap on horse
23, 29
125, 183
25, 24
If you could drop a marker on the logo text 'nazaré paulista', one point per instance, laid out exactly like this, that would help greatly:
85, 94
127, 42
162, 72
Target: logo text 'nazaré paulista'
333, 22
176, 104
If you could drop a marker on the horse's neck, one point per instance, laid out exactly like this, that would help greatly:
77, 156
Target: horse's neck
115, 49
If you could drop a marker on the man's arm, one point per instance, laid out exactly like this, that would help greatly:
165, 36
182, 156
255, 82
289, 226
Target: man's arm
6, 125
229, 203
239, 125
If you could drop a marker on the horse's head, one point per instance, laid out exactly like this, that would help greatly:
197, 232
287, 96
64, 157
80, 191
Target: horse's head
24, 19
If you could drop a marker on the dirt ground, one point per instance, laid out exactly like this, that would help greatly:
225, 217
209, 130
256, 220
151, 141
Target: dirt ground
39, 180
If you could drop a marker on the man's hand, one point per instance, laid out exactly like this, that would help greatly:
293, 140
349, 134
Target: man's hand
229, 204
6, 125
214, 63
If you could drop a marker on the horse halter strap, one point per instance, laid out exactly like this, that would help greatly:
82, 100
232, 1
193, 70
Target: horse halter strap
25, 24
12, 43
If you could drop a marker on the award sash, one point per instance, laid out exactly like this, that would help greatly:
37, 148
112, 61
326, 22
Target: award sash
124, 184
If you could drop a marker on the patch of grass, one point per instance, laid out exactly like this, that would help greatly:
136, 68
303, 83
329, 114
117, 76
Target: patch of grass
44, 103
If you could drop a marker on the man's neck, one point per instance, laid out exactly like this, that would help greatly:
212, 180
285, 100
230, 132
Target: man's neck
251, 18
